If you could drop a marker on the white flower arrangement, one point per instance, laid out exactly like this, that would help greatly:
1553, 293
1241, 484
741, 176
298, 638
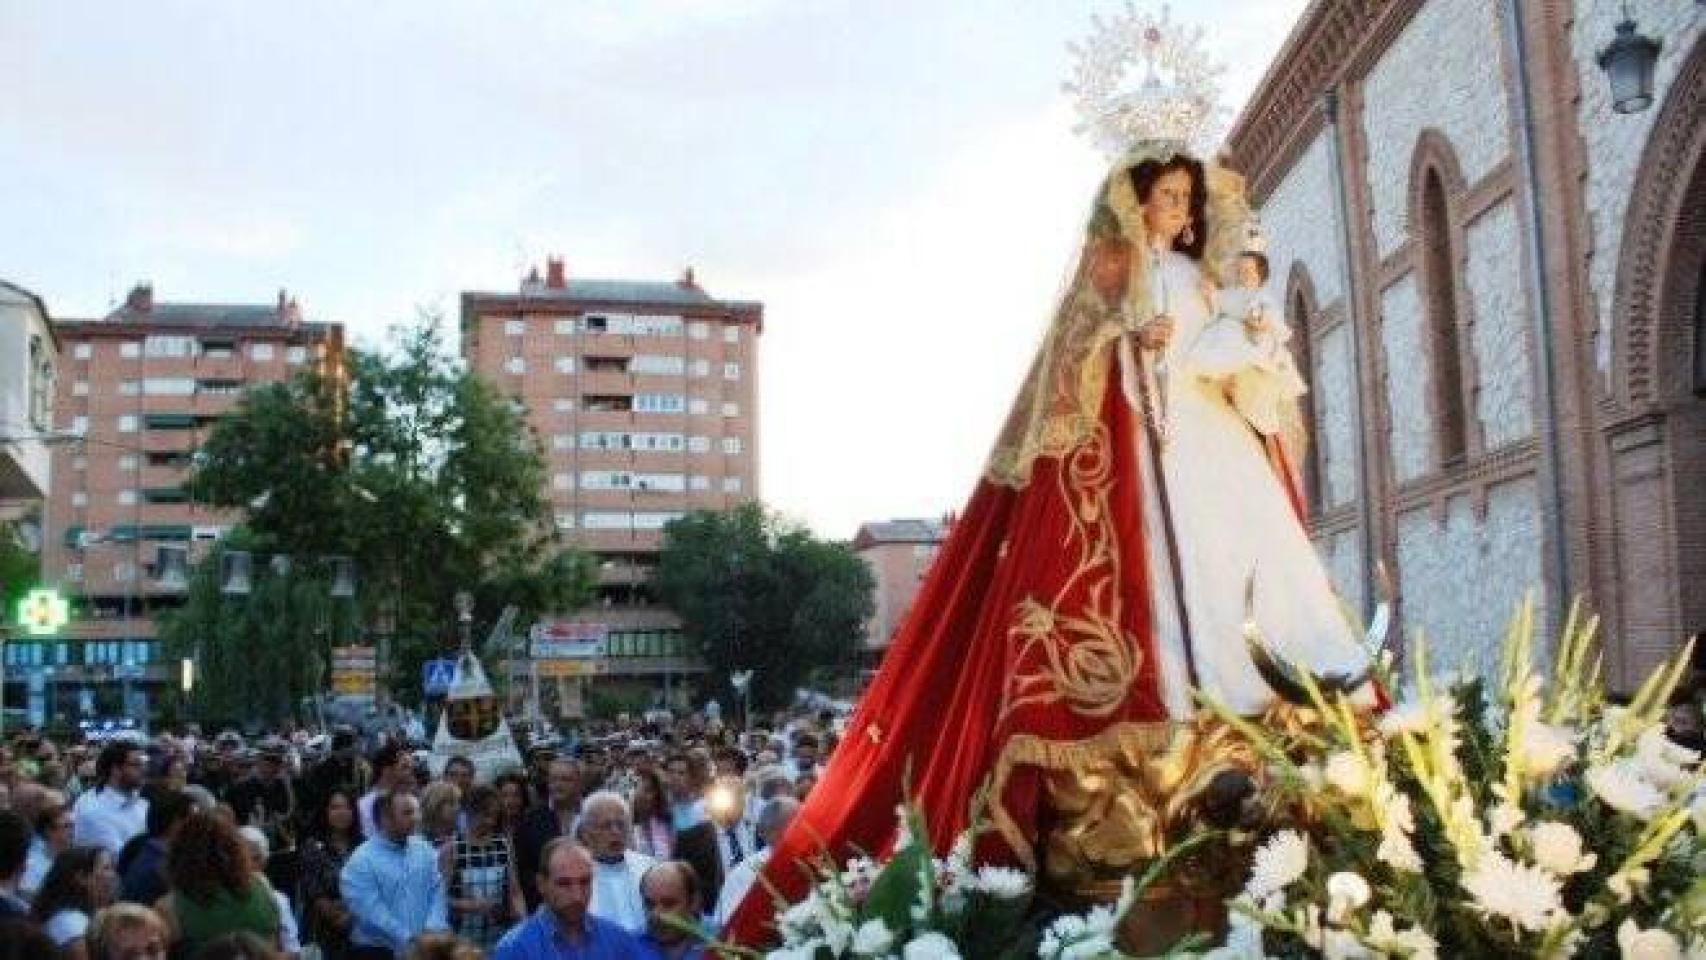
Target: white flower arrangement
1484, 817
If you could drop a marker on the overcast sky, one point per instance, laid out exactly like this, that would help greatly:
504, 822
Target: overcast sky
897, 180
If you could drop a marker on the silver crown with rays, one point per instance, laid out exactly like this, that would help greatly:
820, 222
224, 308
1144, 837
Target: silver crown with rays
1142, 79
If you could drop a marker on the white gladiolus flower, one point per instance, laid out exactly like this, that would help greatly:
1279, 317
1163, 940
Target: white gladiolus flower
1091, 948
1278, 863
1655, 944
1621, 787
1545, 749
1408, 717
1415, 943
1343, 945
1346, 892
1663, 762
1558, 849
1503, 819
1526, 896
1349, 772
1003, 883
1627, 883
1397, 852
873, 938
930, 946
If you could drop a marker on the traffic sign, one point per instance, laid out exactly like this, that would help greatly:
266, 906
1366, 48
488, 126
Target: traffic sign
43, 612
354, 670
437, 675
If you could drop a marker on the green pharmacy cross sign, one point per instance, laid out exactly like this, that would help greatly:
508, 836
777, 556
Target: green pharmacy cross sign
43, 612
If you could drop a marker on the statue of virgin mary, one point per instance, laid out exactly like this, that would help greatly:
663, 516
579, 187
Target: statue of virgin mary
1098, 574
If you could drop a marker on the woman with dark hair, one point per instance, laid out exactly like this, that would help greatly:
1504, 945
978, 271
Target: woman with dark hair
513, 792
654, 834
81, 882
333, 834
485, 894
1129, 519
213, 888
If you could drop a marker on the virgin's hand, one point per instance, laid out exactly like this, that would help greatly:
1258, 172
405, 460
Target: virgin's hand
1155, 334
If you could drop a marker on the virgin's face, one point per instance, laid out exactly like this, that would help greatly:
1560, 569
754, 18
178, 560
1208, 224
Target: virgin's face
1168, 207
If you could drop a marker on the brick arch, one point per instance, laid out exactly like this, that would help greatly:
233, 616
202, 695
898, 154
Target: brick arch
1661, 242
1437, 254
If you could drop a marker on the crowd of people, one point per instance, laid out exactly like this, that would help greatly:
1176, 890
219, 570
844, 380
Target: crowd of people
635, 838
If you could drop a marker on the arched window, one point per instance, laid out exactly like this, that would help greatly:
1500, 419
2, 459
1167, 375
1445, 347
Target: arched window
1298, 312
1438, 274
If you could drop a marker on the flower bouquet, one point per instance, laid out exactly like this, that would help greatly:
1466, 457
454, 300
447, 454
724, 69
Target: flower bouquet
916, 906
1480, 817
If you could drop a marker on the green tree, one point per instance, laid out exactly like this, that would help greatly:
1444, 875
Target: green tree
416, 469
759, 594
20, 569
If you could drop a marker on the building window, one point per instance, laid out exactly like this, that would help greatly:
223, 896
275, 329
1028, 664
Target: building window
124, 571
127, 462
218, 349
562, 441
83, 351
658, 364
660, 403
701, 367
1444, 333
515, 328
130, 349
127, 423
698, 407
699, 330
731, 484
79, 498
219, 388
699, 444
731, 445
607, 520
564, 326
731, 334
562, 481
564, 364
164, 345
563, 405
296, 356
699, 482
515, 365
654, 520
127, 498
41, 384
130, 388
731, 409
1315, 457
80, 426
168, 387
80, 388
260, 352
565, 521
731, 371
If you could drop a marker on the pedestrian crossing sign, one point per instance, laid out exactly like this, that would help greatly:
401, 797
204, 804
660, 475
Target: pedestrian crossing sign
437, 676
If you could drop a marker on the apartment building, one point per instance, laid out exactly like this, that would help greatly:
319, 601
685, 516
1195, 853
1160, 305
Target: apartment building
899, 553
644, 395
142, 386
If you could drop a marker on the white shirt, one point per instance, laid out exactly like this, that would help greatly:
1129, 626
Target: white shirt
616, 891
35, 869
65, 926
108, 818
737, 882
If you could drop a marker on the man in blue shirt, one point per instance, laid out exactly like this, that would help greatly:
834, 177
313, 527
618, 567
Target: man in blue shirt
391, 883
562, 929
670, 890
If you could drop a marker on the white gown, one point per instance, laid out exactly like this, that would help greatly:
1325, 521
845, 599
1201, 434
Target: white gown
1231, 517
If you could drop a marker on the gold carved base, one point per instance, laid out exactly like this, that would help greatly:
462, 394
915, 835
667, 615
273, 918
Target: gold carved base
1113, 814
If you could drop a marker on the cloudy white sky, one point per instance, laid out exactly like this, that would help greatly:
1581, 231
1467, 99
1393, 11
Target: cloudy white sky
897, 180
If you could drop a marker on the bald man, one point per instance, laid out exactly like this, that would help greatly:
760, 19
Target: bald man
670, 890
563, 928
